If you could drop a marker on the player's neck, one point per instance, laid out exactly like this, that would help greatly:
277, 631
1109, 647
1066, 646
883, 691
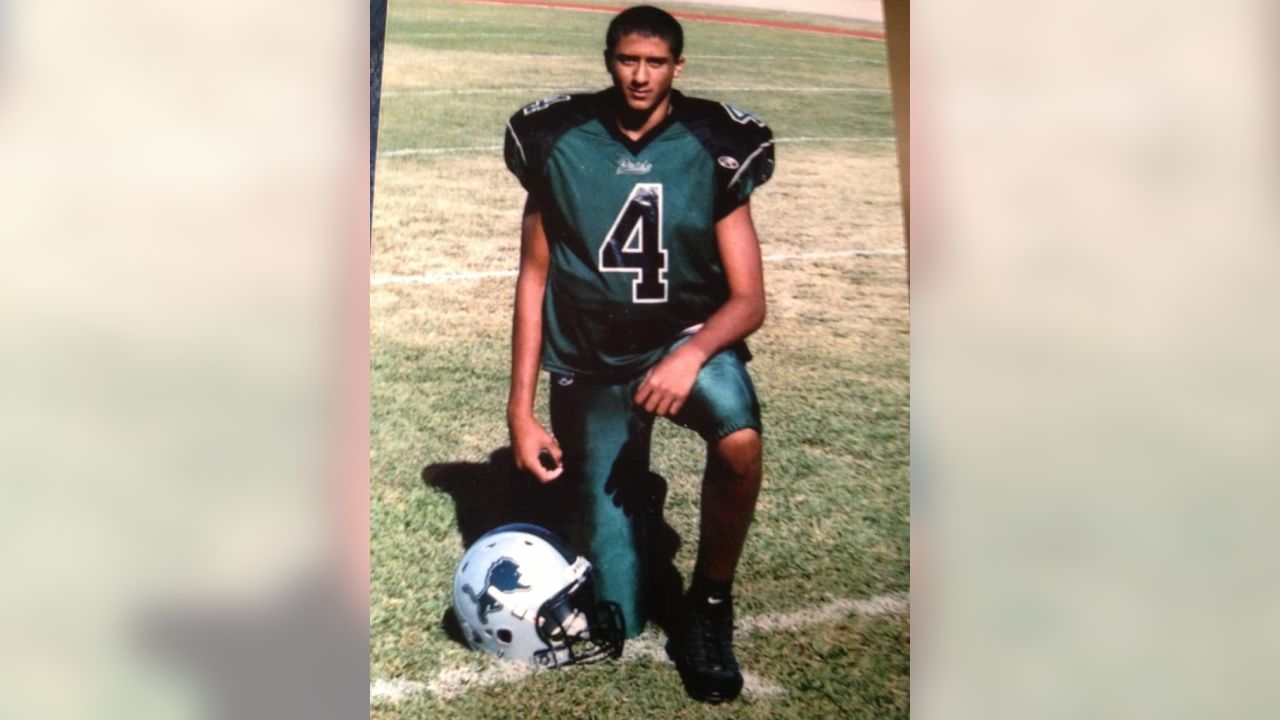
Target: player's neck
636, 125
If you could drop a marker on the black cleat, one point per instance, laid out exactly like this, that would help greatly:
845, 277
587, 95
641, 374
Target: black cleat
702, 649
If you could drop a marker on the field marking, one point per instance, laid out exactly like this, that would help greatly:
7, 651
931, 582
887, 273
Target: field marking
705, 17
719, 89
393, 36
864, 138
438, 278
452, 683
437, 150
835, 254
405, 152
809, 55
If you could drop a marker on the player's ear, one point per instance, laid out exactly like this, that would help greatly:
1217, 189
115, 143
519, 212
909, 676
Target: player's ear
679, 67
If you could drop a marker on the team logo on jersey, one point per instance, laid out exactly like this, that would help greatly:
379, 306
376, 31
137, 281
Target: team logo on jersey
627, 166
544, 103
727, 162
742, 116
503, 575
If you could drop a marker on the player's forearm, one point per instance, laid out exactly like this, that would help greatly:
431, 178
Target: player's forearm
734, 322
526, 332
526, 347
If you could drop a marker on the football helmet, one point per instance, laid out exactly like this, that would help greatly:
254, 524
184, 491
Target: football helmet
520, 593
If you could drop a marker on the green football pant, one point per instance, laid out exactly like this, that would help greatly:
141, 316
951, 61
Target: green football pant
605, 438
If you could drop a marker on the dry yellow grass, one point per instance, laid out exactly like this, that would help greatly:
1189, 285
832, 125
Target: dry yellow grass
452, 214
412, 66
825, 198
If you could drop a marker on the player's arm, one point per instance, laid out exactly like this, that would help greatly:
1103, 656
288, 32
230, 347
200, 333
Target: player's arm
529, 439
667, 385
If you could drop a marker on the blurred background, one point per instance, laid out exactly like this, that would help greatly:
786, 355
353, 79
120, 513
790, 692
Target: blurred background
183, 302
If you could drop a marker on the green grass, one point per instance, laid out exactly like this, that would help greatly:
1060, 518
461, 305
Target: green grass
831, 364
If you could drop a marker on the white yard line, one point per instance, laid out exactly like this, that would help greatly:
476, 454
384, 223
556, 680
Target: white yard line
438, 150
438, 278
833, 254
855, 139
806, 54
393, 36
869, 10
458, 681
393, 691
894, 604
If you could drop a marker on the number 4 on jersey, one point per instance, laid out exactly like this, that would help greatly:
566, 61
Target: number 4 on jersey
634, 244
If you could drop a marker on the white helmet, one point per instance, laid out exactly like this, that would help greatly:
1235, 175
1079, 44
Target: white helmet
520, 593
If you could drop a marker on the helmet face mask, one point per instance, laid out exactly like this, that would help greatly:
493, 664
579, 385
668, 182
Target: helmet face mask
576, 629
521, 594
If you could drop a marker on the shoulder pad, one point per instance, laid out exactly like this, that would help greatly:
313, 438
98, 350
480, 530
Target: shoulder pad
724, 126
535, 128
740, 142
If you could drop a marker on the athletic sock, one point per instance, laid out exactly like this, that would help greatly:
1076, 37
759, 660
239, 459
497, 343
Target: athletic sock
705, 592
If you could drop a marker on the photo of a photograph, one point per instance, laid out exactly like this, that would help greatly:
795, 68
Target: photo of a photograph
639, 363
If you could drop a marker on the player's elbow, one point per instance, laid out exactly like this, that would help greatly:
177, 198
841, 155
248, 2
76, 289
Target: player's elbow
755, 310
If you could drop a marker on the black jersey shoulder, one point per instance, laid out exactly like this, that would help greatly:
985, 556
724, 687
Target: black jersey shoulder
723, 129
740, 143
534, 129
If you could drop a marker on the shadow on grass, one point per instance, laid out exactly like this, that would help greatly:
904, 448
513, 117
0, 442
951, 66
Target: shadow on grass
490, 494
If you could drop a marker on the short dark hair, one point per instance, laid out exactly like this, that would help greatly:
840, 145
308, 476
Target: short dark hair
648, 21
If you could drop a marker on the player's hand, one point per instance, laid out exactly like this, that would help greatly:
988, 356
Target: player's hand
666, 386
536, 451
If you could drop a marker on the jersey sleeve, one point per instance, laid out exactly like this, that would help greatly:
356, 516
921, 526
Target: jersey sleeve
517, 161
745, 158
533, 131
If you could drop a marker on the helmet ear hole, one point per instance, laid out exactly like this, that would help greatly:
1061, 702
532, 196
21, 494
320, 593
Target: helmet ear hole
504, 636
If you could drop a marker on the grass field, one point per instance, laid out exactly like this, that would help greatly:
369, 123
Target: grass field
822, 584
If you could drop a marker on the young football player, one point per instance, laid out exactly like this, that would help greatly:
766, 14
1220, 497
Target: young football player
640, 278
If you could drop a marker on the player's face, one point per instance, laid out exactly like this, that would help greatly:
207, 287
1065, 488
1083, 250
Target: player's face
643, 69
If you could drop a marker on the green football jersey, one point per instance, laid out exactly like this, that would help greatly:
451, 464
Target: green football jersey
631, 224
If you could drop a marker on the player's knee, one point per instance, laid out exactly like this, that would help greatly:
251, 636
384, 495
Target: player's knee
741, 452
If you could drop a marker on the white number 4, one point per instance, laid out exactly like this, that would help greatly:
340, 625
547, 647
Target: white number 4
634, 244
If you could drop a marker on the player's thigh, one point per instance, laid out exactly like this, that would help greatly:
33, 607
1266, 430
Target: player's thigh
723, 399
591, 422
605, 439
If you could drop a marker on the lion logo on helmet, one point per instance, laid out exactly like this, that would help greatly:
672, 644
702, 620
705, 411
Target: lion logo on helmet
504, 576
